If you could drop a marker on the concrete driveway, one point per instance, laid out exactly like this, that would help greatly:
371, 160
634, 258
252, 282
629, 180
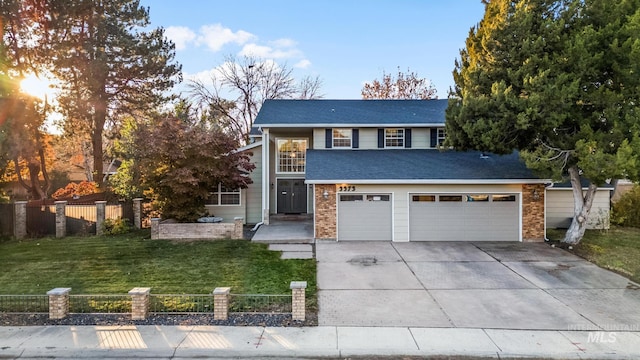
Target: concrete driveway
470, 285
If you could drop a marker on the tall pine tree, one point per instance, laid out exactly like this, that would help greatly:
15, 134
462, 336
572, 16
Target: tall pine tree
557, 80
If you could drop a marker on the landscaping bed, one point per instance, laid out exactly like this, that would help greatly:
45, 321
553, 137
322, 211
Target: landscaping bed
272, 320
616, 249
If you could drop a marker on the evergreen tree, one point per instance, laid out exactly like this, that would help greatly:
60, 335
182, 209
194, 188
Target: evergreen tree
559, 81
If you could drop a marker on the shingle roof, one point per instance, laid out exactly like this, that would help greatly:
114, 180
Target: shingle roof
413, 165
291, 113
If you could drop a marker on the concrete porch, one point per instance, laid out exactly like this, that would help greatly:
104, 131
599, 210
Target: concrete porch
290, 234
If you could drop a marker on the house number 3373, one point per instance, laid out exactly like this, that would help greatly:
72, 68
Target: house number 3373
347, 188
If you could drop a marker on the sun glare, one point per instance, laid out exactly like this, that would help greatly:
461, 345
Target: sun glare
37, 86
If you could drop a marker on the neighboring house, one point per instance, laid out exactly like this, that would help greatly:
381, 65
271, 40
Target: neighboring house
375, 170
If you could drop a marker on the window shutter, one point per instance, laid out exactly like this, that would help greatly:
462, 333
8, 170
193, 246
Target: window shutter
407, 138
355, 138
434, 137
328, 136
380, 138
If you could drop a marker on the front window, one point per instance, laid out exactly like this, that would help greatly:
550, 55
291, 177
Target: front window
342, 138
224, 196
441, 135
292, 155
394, 138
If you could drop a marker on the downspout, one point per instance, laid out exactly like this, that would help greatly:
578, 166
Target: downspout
257, 226
546, 239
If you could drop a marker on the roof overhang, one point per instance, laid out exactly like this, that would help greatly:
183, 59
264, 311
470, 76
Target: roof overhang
350, 125
249, 147
433, 181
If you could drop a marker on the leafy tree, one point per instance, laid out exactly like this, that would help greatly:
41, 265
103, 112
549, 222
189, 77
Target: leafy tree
107, 61
402, 86
251, 81
559, 81
182, 164
76, 189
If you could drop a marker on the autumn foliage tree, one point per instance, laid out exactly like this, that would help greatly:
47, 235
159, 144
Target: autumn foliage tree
106, 58
181, 164
402, 86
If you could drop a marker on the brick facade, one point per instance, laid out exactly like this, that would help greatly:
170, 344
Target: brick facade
193, 231
325, 212
533, 212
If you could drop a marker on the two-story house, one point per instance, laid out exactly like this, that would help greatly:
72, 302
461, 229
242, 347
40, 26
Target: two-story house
375, 170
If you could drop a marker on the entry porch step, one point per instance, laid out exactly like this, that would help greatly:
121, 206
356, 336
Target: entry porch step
293, 251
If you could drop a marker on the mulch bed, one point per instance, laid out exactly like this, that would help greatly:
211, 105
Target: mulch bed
271, 320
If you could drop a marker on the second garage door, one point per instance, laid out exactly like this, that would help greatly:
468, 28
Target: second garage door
464, 217
364, 217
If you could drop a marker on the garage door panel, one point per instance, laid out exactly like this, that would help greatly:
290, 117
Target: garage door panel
476, 219
366, 219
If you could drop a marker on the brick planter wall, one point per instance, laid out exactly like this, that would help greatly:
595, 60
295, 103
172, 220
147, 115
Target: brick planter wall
532, 213
325, 213
194, 231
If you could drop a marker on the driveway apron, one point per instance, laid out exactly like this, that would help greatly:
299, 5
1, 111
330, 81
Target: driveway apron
490, 285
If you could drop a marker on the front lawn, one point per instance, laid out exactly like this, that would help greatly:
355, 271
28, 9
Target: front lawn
116, 264
617, 249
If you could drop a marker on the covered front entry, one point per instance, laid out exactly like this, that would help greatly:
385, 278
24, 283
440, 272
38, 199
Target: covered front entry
364, 217
464, 217
292, 196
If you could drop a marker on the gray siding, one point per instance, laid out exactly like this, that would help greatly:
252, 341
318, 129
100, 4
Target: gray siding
559, 209
253, 198
420, 138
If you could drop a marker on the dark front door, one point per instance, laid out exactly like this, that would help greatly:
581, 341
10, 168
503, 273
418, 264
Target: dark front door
292, 196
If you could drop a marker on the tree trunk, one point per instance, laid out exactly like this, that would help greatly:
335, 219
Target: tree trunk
96, 140
581, 207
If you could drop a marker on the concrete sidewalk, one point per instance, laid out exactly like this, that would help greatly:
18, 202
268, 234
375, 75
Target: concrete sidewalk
176, 342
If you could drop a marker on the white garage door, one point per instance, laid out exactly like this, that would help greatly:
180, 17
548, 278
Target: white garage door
464, 217
364, 217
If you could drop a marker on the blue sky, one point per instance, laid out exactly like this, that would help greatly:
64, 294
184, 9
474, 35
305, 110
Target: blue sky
346, 43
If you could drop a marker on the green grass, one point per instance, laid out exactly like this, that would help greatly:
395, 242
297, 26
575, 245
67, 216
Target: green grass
116, 264
617, 249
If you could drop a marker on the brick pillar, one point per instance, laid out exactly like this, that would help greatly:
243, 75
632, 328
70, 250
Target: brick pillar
325, 213
58, 303
137, 213
221, 303
139, 303
238, 232
20, 219
101, 211
61, 219
533, 212
155, 228
298, 289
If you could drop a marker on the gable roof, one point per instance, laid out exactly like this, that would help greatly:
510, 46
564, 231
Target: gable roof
348, 113
415, 166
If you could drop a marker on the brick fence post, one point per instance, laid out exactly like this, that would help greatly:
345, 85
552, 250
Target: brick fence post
139, 303
58, 303
221, 303
137, 213
61, 219
101, 212
155, 228
298, 289
20, 219
238, 232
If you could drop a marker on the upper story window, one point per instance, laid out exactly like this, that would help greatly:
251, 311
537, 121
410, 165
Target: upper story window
441, 136
292, 154
342, 138
224, 196
393, 138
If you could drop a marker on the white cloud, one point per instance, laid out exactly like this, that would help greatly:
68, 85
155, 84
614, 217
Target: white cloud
302, 64
216, 36
180, 35
283, 43
268, 52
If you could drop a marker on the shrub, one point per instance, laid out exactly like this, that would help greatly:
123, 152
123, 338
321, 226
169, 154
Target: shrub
115, 226
79, 189
626, 211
